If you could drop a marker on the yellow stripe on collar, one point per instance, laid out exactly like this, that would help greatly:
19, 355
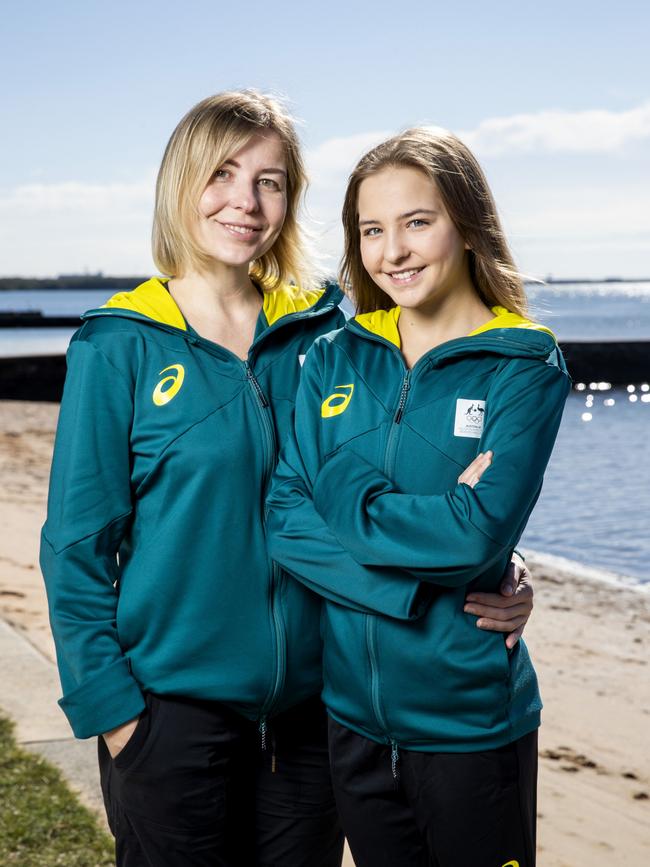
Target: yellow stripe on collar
151, 299
288, 299
383, 323
503, 318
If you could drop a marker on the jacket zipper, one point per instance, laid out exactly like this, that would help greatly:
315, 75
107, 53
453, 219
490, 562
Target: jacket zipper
371, 644
277, 621
371, 619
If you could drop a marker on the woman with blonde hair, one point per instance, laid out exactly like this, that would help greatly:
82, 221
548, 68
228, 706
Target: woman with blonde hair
422, 432
177, 639
195, 658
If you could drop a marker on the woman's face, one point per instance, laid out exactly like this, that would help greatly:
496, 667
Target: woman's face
242, 209
409, 246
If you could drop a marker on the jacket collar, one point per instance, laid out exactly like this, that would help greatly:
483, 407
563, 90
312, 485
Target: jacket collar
152, 301
384, 323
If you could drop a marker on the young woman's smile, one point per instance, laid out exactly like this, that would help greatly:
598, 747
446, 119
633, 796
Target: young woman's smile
407, 277
409, 244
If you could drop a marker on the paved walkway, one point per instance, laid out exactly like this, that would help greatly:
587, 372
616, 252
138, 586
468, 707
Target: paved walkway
29, 689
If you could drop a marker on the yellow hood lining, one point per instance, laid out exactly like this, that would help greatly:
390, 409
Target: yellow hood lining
384, 323
288, 299
152, 299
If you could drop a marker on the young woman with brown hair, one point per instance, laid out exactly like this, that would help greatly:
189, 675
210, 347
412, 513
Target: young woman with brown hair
422, 432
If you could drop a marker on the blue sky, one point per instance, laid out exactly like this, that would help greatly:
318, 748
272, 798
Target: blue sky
553, 97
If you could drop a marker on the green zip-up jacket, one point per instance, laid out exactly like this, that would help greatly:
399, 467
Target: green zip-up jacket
154, 551
376, 452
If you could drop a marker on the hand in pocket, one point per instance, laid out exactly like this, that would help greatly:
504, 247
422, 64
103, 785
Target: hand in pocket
117, 738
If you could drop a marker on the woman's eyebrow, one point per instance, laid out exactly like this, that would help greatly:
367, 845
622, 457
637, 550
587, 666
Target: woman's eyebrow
416, 211
404, 216
269, 171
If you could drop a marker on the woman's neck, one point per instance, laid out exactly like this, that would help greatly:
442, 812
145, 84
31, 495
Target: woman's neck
447, 318
221, 305
215, 289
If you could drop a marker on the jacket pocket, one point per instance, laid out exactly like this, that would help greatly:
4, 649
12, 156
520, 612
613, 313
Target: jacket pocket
346, 667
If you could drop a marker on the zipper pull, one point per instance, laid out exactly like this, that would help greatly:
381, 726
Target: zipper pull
394, 760
262, 728
256, 386
402, 398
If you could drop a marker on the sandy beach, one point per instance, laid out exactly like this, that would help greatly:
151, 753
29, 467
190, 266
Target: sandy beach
589, 640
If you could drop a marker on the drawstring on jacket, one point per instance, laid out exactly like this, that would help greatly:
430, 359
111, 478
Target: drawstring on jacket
264, 731
394, 761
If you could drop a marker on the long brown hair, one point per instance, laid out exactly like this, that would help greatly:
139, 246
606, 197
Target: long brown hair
446, 161
204, 139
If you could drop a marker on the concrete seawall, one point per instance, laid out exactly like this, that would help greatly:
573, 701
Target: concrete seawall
32, 378
619, 363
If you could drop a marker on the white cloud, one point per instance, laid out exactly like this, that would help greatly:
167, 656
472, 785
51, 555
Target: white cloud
544, 132
78, 198
47, 229
337, 156
582, 217
554, 132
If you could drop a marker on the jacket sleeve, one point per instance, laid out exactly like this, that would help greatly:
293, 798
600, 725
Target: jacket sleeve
89, 507
455, 536
302, 543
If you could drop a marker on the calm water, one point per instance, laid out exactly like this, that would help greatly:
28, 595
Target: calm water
595, 506
602, 311
15, 342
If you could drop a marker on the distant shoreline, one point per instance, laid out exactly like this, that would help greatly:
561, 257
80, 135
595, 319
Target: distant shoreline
562, 281
83, 282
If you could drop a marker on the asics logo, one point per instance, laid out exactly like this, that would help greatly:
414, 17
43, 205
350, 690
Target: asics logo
338, 402
168, 388
511, 864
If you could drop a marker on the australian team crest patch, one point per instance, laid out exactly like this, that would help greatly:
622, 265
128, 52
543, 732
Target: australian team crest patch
469, 418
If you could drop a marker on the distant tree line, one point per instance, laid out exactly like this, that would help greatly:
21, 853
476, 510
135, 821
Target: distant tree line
100, 281
70, 281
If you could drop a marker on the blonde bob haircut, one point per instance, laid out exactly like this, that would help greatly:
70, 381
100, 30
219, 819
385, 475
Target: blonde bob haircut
208, 135
445, 160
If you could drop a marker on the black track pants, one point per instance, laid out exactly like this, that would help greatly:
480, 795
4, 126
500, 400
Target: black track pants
443, 810
194, 788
